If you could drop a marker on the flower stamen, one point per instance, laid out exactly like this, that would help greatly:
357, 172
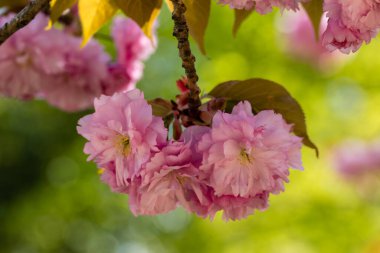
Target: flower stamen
123, 144
245, 157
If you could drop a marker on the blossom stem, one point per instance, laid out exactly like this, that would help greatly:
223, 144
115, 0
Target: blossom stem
24, 17
181, 32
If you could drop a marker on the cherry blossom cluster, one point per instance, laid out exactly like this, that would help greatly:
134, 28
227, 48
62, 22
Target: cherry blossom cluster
350, 22
51, 65
232, 166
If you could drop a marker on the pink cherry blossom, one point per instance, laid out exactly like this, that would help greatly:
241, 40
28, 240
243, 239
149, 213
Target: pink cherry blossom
351, 23
21, 73
122, 136
117, 80
87, 73
266, 6
192, 136
363, 15
51, 64
76, 76
346, 39
239, 4
133, 47
90, 71
237, 208
248, 155
171, 178
262, 6
165, 179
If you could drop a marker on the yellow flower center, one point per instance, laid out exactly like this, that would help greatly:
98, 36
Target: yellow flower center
181, 180
245, 157
123, 145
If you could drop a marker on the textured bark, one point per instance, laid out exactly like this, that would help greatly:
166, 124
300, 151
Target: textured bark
181, 32
23, 18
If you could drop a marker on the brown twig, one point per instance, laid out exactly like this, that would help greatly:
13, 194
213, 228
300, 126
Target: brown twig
181, 32
23, 18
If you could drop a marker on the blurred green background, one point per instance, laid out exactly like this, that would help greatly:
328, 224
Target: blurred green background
51, 199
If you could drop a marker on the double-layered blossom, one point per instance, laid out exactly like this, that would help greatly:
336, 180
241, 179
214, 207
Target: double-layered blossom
346, 39
262, 6
170, 179
122, 136
351, 23
247, 157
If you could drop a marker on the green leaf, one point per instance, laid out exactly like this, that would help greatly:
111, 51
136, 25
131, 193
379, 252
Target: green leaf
161, 107
143, 12
94, 14
57, 7
240, 17
197, 17
266, 95
314, 9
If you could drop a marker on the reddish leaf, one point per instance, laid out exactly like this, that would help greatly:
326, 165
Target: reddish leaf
266, 95
13, 3
161, 107
197, 16
240, 17
143, 12
314, 9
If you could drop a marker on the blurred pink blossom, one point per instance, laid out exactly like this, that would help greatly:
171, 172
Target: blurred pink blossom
51, 64
133, 47
22, 76
358, 162
300, 41
75, 76
357, 158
